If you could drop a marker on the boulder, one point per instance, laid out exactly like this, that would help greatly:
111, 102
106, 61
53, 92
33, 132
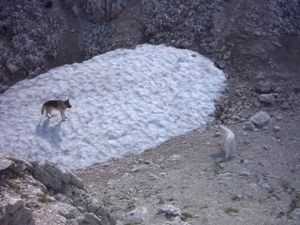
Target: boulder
260, 119
56, 178
49, 175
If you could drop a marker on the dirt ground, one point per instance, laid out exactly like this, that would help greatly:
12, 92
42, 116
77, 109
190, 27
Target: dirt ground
258, 185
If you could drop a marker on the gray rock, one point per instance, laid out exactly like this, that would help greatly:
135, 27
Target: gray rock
71, 222
76, 181
11, 66
268, 98
63, 185
37, 70
105, 216
225, 176
57, 172
5, 163
227, 55
14, 205
221, 64
100, 10
249, 126
60, 197
170, 210
13, 211
138, 213
186, 44
56, 178
89, 219
65, 210
176, 221
260, 119
295, 213
264, 87
263, 183
67, 190
50, 175
81, 209
20, 162
245, 173
139, 168
285, 105
93, 206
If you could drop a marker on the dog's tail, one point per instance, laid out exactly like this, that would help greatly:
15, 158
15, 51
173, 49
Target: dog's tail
229, 146
42, 111
229, 140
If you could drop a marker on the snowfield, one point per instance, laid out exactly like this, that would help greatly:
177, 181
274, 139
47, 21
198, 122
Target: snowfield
123, 102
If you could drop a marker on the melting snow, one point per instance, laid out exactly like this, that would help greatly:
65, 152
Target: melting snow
123, 102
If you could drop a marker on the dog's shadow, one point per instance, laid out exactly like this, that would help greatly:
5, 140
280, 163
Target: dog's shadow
49, 133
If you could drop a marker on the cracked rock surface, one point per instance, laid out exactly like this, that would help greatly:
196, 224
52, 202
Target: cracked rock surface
45, 194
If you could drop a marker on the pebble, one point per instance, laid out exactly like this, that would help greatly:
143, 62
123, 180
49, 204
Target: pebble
276, 128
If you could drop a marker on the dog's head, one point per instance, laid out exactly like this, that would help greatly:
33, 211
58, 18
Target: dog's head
67, 104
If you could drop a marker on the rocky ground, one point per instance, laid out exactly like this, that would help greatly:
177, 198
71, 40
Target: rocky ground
186, 179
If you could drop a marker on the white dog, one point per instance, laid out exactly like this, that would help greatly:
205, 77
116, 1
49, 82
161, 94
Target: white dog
229, 140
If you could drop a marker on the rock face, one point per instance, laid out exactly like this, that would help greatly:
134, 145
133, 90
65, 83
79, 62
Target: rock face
39, 35
100, 10
29, 190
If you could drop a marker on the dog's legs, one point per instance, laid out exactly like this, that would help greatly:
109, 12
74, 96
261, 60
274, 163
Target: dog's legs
49, 116
48, 112
65, 115
62, 114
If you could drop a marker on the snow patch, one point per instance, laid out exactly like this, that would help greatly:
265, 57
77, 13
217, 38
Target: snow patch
123, 102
